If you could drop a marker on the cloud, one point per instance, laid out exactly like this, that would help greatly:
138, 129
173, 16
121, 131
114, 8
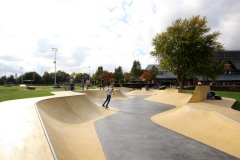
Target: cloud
96, 33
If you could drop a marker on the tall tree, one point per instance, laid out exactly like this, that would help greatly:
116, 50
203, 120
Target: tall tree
126, 77
187, 49
47, 78
118, 74
98, 72
32, 77
136, 70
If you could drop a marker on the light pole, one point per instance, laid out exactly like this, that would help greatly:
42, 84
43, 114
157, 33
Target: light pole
89, 72
55, 77
21, 70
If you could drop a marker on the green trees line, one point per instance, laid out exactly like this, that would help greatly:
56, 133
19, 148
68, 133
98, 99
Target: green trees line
62, 77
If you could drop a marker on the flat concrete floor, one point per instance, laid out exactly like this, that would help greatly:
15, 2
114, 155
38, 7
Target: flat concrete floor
131, 135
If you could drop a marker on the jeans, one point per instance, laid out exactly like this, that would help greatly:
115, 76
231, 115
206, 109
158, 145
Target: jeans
107, 100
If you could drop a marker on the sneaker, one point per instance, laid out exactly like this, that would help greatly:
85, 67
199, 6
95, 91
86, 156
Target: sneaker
107, 107
103, 106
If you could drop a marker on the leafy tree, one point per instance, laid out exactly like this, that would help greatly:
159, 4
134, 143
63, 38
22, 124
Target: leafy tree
108, 77
146, 75
187, 49
3, 79
11, 79
79, 77
62, 77
136, 70
33, 78
47, 78
118, 74
126, 77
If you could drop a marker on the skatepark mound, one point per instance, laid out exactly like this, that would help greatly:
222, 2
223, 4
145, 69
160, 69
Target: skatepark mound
69, 124
212, 122
101, 94
204, 125
170, 96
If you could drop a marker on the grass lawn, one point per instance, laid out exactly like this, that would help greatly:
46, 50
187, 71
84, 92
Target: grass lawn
234, 95
17, 92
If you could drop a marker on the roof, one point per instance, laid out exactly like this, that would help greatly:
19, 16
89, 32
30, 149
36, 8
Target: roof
150, 66
224, 77
165, 75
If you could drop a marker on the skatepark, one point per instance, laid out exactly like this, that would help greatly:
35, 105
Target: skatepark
140, 124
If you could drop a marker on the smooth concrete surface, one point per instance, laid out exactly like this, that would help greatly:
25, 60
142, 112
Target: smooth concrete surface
21, 134
69, 119
200, 94
212, 122
130, 134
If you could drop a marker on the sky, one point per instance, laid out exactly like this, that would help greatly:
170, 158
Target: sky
93, 33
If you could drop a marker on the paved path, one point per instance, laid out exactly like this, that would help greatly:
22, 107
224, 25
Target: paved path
131, 135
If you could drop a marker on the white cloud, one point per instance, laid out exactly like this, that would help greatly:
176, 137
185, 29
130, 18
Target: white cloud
98, 32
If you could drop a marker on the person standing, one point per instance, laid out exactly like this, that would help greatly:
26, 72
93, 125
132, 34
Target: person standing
71, 83
82, 84
110, 92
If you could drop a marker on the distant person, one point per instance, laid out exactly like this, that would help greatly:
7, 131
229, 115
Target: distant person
88, 84
82, 84
71, 83
199, 83
102, 85
110, 92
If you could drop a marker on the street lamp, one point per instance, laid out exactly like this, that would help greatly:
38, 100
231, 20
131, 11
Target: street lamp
21, 70
89, 72
55, 78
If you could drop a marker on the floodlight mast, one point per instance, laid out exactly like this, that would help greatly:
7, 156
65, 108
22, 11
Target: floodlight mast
55, 62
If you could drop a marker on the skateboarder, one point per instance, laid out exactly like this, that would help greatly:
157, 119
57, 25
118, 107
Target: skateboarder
110, 92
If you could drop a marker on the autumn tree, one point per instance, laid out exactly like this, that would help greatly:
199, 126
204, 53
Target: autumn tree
146, 75
187, 49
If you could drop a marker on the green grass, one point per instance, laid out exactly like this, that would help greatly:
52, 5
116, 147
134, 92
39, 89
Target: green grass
234, 95
17, 92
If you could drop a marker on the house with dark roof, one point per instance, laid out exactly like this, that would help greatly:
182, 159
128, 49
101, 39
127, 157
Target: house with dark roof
231, 67
231, 70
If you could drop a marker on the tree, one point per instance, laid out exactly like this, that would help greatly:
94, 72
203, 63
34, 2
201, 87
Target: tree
126, 77
62, 77
187, 49
107, 77
118, 74
136, 70
47, 78
32, 78
147, 75
96, 76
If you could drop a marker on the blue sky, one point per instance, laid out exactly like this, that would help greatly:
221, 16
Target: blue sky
108, 33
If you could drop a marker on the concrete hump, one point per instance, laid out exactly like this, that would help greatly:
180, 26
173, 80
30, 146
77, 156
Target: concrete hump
101, 94
70, 109
206, 126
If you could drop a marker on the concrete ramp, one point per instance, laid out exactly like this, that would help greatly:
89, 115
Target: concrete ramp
69, 122
170, 96
199, 94
211, 122
206, 126
101, 94
71, 109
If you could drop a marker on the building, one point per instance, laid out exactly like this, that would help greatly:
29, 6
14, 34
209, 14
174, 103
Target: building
231, 70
